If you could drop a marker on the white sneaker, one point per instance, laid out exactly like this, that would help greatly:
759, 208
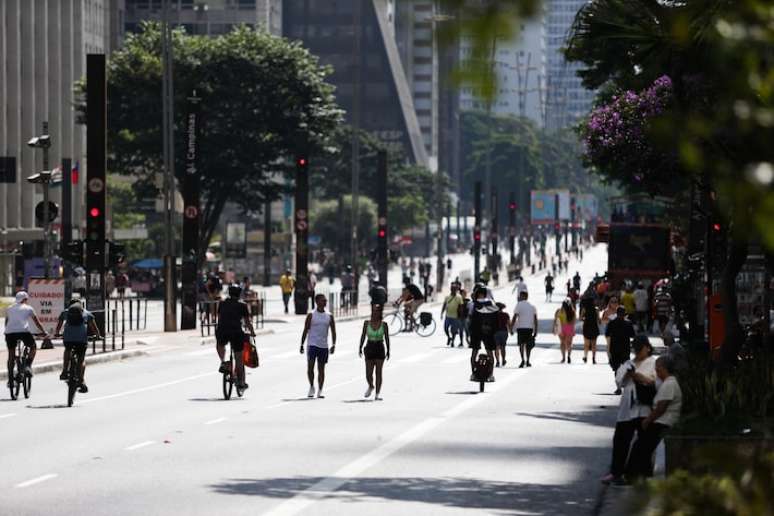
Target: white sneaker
311, 393
368, 392
378, 397
320, 394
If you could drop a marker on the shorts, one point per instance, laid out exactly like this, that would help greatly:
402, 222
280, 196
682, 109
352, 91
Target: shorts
320, 354
78, 347
26, 337
237, 340
374, 350
501, 338
489, 342
452, 325
524, 337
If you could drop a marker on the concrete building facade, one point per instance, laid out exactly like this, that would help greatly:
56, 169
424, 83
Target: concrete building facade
43, 47
521, 73
567, 101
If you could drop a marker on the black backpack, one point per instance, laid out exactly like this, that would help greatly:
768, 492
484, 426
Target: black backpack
487, 315
74, 316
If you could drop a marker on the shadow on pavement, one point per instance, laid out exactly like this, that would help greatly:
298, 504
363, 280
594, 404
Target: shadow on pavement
62, 405
461, 392
209, 399
466, 493
599, 416
362, 400
285, 400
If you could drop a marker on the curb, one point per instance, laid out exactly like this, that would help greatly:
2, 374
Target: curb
108, 356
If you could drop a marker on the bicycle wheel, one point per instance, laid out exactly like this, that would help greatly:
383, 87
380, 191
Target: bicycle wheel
228, 385
13, 387
425, 331
72, 380
394, 323
27, 385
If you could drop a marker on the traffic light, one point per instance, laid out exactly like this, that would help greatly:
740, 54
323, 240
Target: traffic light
116, 253
512, 206
73, 252
477, 235
302, 163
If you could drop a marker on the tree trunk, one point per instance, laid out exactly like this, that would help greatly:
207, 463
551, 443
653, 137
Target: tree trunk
734, 334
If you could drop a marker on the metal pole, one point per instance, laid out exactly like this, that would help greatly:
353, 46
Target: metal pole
170, 297
46, 222
356, 60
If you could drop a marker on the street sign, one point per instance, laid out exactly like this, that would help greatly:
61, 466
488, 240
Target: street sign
96, 185
53, 211
315, 240
302, 225
236, 240
47, 297
191, 212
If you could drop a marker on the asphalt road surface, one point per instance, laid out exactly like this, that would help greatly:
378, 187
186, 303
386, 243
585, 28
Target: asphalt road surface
155, 437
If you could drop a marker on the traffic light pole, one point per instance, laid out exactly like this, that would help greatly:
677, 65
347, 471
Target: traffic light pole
46, 221
512, 226
170, 282
493, 232
301, 300
557, 227
382, 240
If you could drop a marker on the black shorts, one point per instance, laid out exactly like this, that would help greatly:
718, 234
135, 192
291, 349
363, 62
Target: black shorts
26, 337
78, 347
237, 340
524, 337
374, 350
488, 340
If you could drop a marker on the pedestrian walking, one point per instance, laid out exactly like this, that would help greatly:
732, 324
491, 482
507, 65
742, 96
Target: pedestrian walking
464, 312
526, 323
287, 283
347, 286
641, 307
549, 282
317, 325
377, 350
663, 307
576, 281
519, 287
667, 405
564, 328
627, 300
632, 408
607, 315
590, 317
620, 333
452, 322
76, 321
501, 335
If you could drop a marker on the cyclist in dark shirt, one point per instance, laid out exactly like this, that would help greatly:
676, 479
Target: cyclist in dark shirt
412, 298
233, 314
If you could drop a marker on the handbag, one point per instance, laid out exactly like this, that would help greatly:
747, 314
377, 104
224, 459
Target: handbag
645, 393
250, 354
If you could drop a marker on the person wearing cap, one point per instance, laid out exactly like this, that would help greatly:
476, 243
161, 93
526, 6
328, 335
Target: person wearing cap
77, 321
17, 328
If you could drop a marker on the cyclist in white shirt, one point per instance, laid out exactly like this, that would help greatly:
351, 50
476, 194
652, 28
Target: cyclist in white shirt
17, 328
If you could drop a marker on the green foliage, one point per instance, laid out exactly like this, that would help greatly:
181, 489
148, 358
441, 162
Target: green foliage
123, 204
265, 100
330, 223
743, 488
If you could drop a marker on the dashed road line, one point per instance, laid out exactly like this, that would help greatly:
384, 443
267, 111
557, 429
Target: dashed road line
215, 421
139, 445
37, 480
145, 389
3, 416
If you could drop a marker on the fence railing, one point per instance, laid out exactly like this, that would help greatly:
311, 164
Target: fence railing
344, 303
131, 313
208, 313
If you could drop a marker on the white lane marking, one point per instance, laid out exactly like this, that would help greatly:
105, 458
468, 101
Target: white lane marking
415, 358
145, 389
343, 475
462, 357
139, 445
37, 480
215, 421
3, 416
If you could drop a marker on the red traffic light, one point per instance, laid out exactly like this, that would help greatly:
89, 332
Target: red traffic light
716, 227
94, 212
512, 206
302, 162
477, 237
382, 233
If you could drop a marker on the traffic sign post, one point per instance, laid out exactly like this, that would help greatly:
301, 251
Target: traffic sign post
381, 235
477, 231
191, 215
301, 224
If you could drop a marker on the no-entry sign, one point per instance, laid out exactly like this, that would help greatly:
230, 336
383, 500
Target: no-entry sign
47, 297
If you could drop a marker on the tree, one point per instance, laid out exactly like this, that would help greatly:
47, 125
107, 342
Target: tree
265, 100
327, 222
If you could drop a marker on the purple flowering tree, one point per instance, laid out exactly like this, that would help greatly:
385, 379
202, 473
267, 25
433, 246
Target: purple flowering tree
620, 143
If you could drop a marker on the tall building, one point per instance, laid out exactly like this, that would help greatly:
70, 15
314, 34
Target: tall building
520, 65
208, 17
370, 84
567, 101
43, 47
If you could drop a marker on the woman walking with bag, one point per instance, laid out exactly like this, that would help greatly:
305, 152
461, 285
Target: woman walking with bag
378, 337
564, 327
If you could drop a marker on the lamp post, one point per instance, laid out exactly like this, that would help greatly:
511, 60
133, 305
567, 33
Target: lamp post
43, 142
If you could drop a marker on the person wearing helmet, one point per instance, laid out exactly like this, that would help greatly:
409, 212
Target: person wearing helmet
233, 315
76, 321
17, 328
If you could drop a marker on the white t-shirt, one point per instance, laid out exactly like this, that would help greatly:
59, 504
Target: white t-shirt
526, 315
641, 300
17, 318
669, 391
520, 287
318, 329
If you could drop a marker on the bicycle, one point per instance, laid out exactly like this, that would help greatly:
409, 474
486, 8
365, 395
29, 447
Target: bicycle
425, 326
20, 380
74, 375
230, 377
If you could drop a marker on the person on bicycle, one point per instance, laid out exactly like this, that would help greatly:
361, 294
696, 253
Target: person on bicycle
316, 327
483, 326
77, 321
233, 315
411, 298
17, 328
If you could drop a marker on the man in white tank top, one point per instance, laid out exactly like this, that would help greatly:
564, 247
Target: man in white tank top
316, 328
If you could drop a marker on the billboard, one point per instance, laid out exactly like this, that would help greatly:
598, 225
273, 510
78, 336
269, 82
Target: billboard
543, 206
588, 205
638, 249
236, 240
